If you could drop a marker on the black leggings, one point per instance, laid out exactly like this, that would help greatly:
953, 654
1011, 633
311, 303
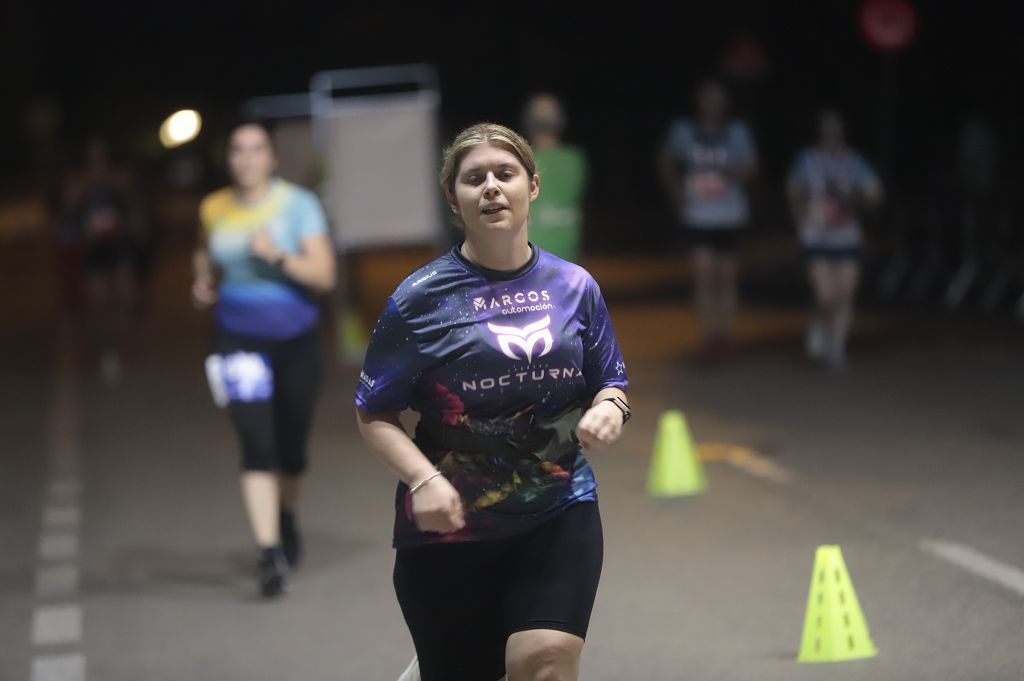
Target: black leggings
462, 601
273, 433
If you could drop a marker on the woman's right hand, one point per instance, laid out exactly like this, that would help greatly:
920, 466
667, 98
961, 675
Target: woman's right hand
204, 292
437, 507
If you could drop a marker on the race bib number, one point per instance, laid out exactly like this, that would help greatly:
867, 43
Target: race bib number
240, 377
710, 184
830, 212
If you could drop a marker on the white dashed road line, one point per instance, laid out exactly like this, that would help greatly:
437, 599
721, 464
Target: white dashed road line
977, 563
59, 667
61, 518
64, 491
56, 582
54, 547
58, 619
56, 625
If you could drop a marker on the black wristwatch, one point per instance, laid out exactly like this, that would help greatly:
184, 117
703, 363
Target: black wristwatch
623, 407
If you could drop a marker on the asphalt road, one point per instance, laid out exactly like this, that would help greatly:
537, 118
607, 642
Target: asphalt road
921, 440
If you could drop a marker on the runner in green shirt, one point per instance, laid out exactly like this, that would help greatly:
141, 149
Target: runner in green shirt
556, 216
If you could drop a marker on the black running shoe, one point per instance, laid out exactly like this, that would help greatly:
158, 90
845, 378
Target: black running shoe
291, 538
272, 572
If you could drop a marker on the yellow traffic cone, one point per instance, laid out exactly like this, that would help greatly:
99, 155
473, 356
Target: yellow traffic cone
834, 626
675, 468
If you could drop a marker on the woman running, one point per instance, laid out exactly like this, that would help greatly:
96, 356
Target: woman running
829, 186
706, 164
508, 354
100, 214
264, 254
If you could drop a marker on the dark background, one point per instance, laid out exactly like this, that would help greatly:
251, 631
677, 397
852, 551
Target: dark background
624, 72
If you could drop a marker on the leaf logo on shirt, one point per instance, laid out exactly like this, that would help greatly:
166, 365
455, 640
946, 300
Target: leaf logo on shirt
526, 338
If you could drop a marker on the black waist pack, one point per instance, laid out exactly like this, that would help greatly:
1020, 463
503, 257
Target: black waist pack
545, 438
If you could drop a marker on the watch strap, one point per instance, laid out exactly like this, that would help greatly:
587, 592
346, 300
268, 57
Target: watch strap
623, 407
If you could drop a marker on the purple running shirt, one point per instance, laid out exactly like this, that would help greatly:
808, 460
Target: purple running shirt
485, 350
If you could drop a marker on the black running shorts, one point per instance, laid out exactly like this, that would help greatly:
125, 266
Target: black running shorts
462, 601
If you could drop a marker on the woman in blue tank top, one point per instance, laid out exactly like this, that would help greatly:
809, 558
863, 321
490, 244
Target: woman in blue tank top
264, 255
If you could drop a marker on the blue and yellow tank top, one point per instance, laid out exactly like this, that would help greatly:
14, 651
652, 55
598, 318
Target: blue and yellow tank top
256, 300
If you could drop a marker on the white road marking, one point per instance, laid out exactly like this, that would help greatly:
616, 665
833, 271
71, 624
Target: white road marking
64, 467
61, 518
977, 563
64, 491
58, 546
59, 668
56, 624
57, 576
56, 581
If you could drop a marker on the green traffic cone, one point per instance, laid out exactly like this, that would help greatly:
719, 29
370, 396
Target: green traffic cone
675, 469
834, 626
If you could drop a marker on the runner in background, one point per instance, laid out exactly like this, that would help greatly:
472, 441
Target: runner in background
705, 165
556, 217
98, 213
264, 254
829, 187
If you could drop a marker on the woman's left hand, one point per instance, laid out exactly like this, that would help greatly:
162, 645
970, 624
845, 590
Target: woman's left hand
264, 248
600, 426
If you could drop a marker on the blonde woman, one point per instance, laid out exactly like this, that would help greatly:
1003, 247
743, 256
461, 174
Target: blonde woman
508, 354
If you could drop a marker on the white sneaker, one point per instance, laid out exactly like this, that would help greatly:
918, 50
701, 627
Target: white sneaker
815, 341
412, 672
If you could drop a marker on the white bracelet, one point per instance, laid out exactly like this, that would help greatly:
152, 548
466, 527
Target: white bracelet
412, 490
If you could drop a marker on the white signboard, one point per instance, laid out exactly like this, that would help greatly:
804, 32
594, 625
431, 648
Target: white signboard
381, 161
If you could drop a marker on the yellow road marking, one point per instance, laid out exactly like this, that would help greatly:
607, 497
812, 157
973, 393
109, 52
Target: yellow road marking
744, 458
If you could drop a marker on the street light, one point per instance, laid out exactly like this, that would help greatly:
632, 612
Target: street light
180, 127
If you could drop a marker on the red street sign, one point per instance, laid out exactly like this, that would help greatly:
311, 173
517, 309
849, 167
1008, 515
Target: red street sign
888, 25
